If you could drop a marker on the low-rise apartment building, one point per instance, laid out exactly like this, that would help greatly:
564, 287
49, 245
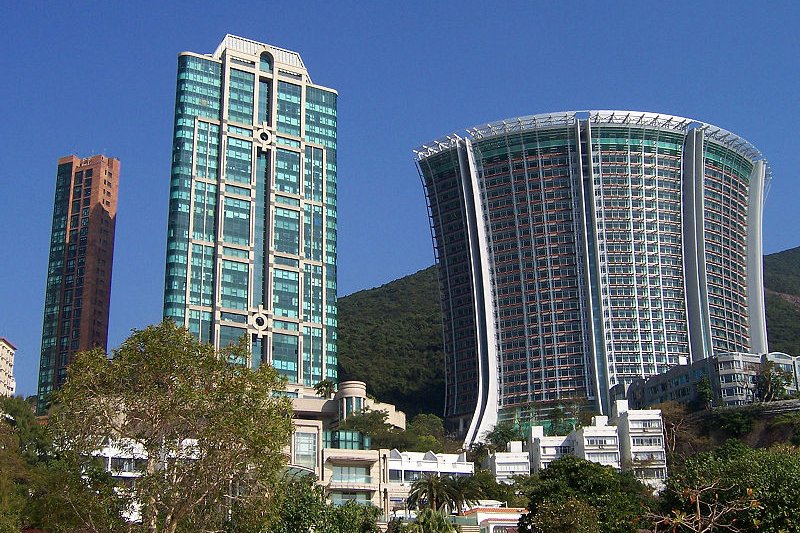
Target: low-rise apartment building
630, 440
730, 376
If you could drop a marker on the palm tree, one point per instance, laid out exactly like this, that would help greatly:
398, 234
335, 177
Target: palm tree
430, 521
464, 491
430, 491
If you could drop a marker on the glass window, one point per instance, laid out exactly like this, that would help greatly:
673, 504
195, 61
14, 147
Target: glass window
305, 449
284, 355
287, 171
236, 227
238, 163
286, 293
234, 284
288, 119
240, 96
286, 231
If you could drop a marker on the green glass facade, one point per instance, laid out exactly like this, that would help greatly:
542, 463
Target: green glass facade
251, 247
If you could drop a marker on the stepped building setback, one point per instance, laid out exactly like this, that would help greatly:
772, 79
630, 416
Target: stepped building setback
78, 293
580, 250
251, 245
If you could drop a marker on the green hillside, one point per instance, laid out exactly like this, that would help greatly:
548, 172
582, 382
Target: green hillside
782, 284
391, 336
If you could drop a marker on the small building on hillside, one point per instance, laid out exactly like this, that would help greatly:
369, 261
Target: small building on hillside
731, 378
629, 440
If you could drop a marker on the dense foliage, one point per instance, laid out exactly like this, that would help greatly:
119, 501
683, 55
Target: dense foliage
619, 501
391, 338
749, 489
299, 505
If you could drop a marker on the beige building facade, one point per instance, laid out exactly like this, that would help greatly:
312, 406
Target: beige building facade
7, 381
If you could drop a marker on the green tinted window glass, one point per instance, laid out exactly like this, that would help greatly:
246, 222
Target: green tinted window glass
312, 232
284, 355
287, 171
207, 150
312, 174
200, 325
238, 161
205, 210
312, 355
287, 201
240, 96
312, 294
201, 286
282, 324
236, 227
285, 293
286, 231
265, 64
263, 102
235, 252
288, 119
233, 286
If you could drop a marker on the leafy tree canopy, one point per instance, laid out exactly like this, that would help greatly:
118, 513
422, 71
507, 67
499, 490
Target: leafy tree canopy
618, 497
213, 431
758, 489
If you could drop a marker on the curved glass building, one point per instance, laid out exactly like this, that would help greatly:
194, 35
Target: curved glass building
580, 250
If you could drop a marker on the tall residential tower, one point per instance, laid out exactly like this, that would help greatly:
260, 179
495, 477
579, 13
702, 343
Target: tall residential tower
251, 246
579, 250
78, 290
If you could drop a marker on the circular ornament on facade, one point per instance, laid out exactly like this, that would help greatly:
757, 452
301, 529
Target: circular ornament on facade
263, 137
259, 320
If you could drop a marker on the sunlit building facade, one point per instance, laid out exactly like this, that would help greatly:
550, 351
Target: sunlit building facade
579, 250
78, 291
251, 247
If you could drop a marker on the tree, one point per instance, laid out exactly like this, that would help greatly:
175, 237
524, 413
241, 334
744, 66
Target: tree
427, 424
503, 433
432, 521
681, 431
325, 388
735, 485
705, 393
212, 430
431, 490
618, 497
46, 487
299, 506
463, 491
771, 382
570, 516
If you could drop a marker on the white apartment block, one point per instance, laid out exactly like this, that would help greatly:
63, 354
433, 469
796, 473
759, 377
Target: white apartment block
631, 439
514, 462
8, 384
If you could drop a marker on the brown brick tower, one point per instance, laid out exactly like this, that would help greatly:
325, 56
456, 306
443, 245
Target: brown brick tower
78, 293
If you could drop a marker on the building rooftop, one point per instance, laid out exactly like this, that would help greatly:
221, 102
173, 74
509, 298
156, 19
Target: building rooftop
248, 46
568, 118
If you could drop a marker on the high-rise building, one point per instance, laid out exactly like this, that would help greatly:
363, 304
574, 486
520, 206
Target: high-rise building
251, 246
579, 250
78, 290
8, 384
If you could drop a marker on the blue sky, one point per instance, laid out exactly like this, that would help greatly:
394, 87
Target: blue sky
85, 77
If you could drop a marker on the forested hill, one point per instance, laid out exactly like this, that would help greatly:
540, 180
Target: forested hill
391, 336
782, 288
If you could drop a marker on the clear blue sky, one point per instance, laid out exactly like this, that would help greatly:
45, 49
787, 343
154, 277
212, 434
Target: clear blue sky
85, 77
